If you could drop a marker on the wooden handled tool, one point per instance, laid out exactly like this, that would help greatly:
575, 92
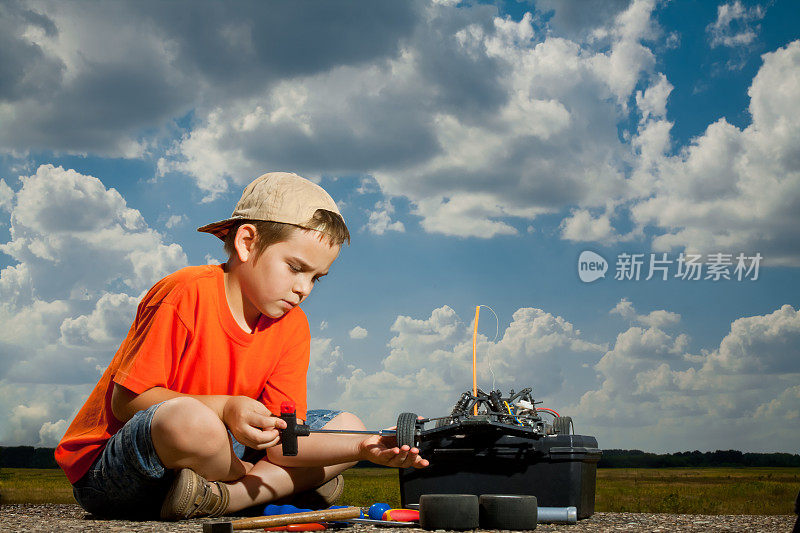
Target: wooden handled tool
259, 522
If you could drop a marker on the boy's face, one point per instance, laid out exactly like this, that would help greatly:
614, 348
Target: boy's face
284, 274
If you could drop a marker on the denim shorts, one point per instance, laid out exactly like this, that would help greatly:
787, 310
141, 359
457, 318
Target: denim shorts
128, 480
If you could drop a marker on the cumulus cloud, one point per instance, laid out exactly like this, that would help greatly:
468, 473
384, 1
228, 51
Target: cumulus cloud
358, 333
106, 74
659, 318
6, 196
174, 221
582, 226
81, 259
380, 220
734, 25
497, 122
69, 223
481, 122
579, 18
650, 385
429, 363
732, 190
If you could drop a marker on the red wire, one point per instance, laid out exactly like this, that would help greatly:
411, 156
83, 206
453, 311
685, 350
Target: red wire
548, 410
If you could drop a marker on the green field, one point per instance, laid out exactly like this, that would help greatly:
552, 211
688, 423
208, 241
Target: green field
636, 490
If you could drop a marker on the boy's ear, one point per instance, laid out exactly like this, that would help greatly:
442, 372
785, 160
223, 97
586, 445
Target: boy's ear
244, 242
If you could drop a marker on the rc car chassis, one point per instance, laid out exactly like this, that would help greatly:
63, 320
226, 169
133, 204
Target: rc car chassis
484, 413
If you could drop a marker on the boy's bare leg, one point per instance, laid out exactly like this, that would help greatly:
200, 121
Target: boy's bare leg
187, 434
268, 481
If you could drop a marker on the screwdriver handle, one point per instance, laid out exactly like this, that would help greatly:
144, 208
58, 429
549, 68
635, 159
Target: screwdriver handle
293, 429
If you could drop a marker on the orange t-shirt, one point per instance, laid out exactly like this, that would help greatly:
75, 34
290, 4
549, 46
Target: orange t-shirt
185, 339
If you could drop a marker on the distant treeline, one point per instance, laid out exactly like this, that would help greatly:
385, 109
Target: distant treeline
640, 459
30, 457
27, 457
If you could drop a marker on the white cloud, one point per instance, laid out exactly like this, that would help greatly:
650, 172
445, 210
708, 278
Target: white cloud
497, 122
80, 78
108, 322
380, 220
35, 414
733, 27
653, 391
652, 102
582, 226
326, 370
659, 318
358, 333
482, 122
6, 196
69, 223
732, 189
51, 432
174, 221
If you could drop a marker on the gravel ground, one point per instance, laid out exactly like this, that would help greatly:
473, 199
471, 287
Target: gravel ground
71, 518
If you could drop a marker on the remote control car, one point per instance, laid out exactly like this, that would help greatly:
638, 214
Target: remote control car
485, 413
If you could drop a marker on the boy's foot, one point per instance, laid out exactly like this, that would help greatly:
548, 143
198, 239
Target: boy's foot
192, 496
321, 497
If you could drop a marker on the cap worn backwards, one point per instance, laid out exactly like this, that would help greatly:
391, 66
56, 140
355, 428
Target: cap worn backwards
276, 197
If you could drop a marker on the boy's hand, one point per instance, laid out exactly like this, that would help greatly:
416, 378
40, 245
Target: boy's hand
384, 451
251, 423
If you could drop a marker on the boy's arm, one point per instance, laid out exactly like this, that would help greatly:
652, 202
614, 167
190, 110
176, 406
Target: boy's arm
250, 422
322, 449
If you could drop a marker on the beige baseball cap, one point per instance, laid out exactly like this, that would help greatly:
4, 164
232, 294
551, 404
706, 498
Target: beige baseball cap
276, 197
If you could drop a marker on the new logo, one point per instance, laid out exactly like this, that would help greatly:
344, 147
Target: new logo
591, 266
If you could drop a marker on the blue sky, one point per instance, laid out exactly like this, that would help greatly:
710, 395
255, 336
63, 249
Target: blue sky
475, 150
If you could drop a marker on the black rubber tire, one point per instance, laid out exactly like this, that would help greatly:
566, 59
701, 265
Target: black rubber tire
561, 425
449, 511
502, 511
407, 429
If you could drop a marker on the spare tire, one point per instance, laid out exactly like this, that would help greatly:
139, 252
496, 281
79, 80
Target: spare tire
449, 511
503, 511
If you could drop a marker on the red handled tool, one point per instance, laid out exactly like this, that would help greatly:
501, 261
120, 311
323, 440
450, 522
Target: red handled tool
401, 515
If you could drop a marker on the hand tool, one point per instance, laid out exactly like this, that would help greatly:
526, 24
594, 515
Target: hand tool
311, 526
387, 523
401, 515
281, 520
561, 515
376, 510
406, 435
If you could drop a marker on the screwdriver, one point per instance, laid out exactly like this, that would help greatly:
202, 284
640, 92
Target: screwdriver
294, 430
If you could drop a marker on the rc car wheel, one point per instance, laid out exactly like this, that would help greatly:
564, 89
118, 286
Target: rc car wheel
561, 425
499, 511
448, 511
407, 429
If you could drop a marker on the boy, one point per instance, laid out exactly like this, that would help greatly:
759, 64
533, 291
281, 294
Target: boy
212, 353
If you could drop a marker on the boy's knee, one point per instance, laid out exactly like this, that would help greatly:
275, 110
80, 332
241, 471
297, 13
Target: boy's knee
188, 425
345, 420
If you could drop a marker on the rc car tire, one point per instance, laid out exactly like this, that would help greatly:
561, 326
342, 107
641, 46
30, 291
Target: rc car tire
407, 429
561, 425
502, 511
449, 511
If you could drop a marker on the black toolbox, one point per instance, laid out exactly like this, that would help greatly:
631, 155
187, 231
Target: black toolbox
560, 470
